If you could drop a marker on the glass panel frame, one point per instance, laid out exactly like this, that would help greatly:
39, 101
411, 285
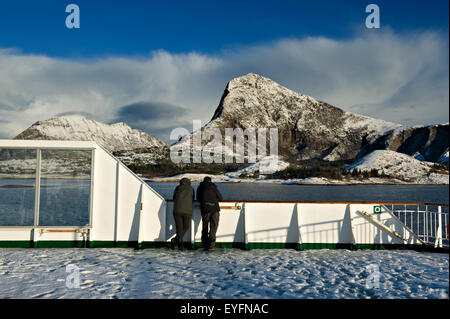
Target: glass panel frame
65, 186
37, 198
27, 209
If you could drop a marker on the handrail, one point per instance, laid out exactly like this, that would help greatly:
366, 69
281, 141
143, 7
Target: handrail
322, 202
383, 226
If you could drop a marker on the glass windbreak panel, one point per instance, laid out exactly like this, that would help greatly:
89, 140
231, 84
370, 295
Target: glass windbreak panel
65, 188
17, 187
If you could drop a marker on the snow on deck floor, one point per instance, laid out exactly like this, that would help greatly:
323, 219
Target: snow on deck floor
226, 273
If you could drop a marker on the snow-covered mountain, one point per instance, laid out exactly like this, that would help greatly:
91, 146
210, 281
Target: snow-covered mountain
425, 143
307, 127
114, 137
401, 166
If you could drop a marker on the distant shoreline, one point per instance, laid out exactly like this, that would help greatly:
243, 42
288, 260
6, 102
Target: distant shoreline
31, 178
292, 182
311, 184
17, 186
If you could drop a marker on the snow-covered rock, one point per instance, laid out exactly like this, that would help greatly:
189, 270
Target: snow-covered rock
267, 165
425, 143
114, 137
306, 126
401, 166
192, 177
268, 162
443, 159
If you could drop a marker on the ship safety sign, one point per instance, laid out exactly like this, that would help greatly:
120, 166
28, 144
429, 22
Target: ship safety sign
377, 209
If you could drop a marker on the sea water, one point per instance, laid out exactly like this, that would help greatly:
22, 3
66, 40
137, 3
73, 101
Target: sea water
326, 193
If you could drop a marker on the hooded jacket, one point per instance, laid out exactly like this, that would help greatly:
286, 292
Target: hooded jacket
209, 196
183, 197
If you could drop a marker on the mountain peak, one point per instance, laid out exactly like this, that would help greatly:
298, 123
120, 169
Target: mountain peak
307, 127
115, 137
70, 118
249, 78
252, 81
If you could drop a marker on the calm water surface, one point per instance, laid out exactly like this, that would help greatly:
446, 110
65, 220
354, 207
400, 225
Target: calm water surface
350, 193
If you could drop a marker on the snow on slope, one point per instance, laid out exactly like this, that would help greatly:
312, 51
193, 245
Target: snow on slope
193, 177
268, 164
400, 166
114, 137
278, 107
426, 143
312, 127
265, 165
444, 158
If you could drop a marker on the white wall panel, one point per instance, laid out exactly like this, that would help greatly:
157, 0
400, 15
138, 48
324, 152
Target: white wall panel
152, 226
11, 234
271, 223
104, 197
324, 223
231, 224
130, 195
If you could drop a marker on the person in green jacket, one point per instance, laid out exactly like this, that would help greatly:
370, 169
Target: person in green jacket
182, 210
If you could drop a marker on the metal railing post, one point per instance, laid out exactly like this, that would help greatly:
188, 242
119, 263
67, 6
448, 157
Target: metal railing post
244, 208
426, 223
404, 214
446, 226
418, 219
438, 241
37, 194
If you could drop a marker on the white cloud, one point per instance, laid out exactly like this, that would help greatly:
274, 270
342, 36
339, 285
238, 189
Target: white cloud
402, 78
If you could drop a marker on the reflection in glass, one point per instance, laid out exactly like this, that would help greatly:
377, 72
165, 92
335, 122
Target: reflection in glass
17, 187
65, 188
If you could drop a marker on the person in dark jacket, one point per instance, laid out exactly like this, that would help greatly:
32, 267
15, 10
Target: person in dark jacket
209, 197
182, 210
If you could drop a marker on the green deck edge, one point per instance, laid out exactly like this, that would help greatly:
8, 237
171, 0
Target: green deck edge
198, 245
59, 244
16, 244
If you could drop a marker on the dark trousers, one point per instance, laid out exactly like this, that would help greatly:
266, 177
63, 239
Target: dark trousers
211, 221
182, 224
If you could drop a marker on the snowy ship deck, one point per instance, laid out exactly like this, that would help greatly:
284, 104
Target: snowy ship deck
76, 194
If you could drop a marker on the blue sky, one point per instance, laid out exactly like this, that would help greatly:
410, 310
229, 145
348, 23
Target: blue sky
135, 27
159, 65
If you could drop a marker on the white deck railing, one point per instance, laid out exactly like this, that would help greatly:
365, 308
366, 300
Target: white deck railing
428, 221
